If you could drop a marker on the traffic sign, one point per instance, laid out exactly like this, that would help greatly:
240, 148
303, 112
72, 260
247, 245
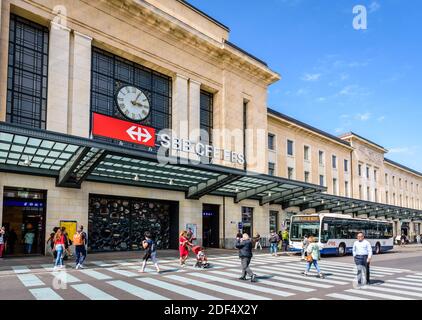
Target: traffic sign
122, 130
240, 225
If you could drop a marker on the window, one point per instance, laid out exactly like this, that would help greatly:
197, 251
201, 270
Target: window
346, 188
271, 168
386, 179
271, 141
109, 72
375, 175
367, 172
360, 170
400, 182
368, 194
335, 186
307, 176
346, 165
386, 197
401, 200
321, 180
206, 114
247, 220
290, 147
290, 173
27, 73
376, 195
405, 184
321, 158
334, 160
394, 199
306, 153
394, 181
273, 221
360, 192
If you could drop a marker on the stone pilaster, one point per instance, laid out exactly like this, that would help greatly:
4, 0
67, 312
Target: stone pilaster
79, 85
194, 114
180, 124
4, 45
58, 78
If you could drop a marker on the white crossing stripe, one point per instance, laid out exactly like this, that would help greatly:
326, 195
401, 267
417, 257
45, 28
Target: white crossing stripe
406, 282
103, 264
21, 269
375, 268
123, 272
377, 295
299, 268
408, 279
178, 289
350, 269
313, 299
65, 277
45, 294
306, 283
217, 288
91, 292
389, 290
136, 291
345, 296
226, 264
124, 263
95, 274
414, 277
388, 284
277, 270
267, 282
30, 280
242, 285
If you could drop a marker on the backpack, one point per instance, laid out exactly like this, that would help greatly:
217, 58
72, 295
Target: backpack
274, 238
78, 239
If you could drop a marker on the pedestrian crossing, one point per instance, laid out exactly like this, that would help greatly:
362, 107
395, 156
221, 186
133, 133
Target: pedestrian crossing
278, 278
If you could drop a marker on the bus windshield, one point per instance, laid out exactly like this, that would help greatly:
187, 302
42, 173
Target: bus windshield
301, 228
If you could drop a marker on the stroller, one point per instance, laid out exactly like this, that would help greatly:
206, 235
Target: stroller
201, 258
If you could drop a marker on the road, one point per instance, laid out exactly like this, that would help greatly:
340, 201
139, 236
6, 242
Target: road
395, 276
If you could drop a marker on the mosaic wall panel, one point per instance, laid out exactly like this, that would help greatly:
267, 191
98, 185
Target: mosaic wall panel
117, 224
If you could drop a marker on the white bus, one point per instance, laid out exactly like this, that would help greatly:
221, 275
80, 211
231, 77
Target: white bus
336, 233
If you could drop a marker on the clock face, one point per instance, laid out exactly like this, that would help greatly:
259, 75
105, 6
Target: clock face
133, 103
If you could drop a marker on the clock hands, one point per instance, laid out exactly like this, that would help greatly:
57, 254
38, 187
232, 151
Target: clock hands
136, 99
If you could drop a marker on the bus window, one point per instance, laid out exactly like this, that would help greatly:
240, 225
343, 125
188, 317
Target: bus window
300, 229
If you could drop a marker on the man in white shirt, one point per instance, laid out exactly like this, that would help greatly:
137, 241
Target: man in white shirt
362, 253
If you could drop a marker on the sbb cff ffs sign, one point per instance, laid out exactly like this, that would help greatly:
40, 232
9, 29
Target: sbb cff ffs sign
122, 130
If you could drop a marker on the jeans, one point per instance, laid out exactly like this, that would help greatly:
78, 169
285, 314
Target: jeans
59, 258
362, 267
273, 247
28, 247
315, 263
245, 266
285, 244
80, 253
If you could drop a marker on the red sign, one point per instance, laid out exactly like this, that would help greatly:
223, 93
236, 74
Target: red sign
122, 130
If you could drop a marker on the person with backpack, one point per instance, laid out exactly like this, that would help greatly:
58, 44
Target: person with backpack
79, 240
150, 252
273, 239
305, 244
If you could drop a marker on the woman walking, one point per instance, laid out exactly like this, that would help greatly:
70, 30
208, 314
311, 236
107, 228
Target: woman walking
59, 242
150, 252
183, 247
313, 257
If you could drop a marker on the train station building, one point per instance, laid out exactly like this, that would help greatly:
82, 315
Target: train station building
132, 115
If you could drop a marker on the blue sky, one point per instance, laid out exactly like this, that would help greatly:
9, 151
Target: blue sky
334, 77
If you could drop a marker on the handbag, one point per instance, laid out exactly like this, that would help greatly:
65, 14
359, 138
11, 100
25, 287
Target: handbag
309, 258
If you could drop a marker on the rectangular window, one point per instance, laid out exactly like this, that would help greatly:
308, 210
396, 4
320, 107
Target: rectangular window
271, 168
375, 175
321, 180
346, 165
110, 72
334, 161
346, 188
27, 73
247, 220
321, 158
271, 141
360, 170
273, 221
368, 194
290, 147
290, 172
307, 176
386, 197
367, 172
386, 179
206, 115
335, 186
394, 199
394, 181
376, 195
360, 192
306, 153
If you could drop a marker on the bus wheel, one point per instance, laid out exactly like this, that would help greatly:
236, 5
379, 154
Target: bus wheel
377, 248
341, 250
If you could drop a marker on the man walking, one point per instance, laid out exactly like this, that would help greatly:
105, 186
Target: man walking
274, 239
362, 253
285, 240
244, 245
79, 240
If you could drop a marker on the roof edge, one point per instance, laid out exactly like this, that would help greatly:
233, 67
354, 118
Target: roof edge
351, 133
403, 167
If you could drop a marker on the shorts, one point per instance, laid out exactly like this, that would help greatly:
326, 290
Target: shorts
150, 255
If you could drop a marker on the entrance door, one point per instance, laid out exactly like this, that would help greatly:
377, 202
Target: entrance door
24, 220
210, 225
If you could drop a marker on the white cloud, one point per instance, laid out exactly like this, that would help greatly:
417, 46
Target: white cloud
374, 6
311, 77
363, 116
353, 90
403, 150
321, 99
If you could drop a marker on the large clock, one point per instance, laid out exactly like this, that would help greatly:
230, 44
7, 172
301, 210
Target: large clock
133, 103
